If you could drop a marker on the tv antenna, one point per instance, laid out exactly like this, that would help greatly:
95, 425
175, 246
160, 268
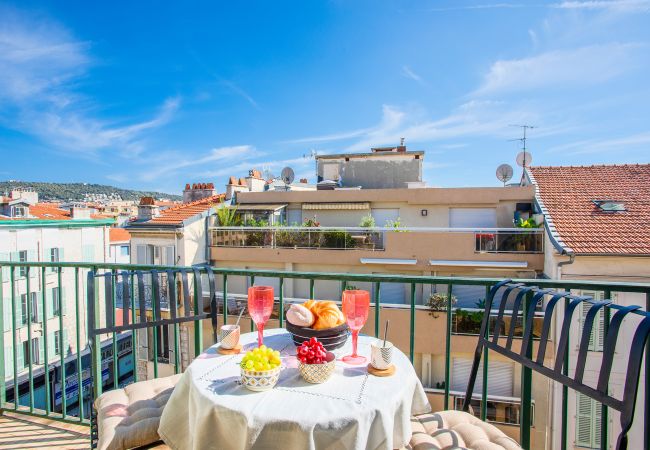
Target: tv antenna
504, 173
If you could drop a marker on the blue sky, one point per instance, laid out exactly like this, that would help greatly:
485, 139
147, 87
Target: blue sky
151, 96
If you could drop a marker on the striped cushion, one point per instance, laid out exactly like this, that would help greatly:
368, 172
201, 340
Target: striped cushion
457, 430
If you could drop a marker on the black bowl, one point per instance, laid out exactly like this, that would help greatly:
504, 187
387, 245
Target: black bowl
331, 338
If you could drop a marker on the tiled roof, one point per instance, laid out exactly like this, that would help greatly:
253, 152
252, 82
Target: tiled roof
119, 235
566, 195
177, 214
45, 211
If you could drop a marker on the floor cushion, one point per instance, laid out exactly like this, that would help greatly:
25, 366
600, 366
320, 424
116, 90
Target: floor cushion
448, 430
129, 418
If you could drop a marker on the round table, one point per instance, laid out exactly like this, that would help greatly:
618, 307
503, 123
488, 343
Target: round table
210, 409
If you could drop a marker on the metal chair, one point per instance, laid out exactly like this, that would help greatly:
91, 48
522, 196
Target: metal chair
102, 322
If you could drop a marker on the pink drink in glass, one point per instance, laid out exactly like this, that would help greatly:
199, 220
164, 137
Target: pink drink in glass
356, 305
260, 306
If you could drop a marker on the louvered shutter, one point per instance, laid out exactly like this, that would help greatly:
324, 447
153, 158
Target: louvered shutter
597, 338
20, 357
41, 350
500, 377
63, 301
66, 342
169, 256
37, 307
19, 312
49, 301
588, 414
6, 313
141, 254
51, 344
9, 362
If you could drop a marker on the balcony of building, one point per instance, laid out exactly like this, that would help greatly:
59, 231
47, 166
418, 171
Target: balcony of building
439, 337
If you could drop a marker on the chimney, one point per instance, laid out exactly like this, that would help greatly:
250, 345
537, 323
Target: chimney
147, 209
78, 213
28, 195
198, 191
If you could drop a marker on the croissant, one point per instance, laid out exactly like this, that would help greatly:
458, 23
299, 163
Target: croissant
328, 314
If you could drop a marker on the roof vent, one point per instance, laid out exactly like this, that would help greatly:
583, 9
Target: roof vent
610, 206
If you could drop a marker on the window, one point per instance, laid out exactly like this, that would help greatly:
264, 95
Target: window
163, 344
23, 309
34, 300
124, 250
88, 253
22, 257
587, 422
36, 356
26, 354
55, 256
56, 302
18, 211
57, 342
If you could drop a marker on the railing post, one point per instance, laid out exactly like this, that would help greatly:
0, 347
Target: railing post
64, 401
565, 390
46, 364
412, 328
604, 412
377, 307
3, 393
448, 345
198, 325
80, 391
113, 276
484, 389
281, 305
96, 345
526, 384
134, 332
646, 430
30, 349
13, 334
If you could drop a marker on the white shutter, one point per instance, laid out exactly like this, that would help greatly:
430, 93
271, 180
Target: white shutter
500, 377
294, 216
588, 414
597, 338
141, 254
169, 256
472, 217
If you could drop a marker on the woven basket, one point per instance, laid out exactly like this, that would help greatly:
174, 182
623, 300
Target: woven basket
318, 373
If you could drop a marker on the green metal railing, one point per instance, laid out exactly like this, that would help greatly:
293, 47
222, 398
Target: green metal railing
75, 273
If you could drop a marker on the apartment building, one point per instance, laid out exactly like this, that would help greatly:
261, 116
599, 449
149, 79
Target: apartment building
173, 236
417, 231
32, 231
597, 228
120, 246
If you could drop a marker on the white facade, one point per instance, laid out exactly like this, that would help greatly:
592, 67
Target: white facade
57, 241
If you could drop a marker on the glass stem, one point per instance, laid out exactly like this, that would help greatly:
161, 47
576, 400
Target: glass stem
355, 335
260, 334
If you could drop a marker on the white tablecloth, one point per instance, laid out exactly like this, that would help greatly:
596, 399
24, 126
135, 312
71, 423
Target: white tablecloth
209, 409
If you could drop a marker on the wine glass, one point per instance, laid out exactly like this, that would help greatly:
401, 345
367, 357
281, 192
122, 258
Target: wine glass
260, 306
356, 305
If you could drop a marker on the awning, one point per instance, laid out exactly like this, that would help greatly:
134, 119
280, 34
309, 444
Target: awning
399, 262
257, 207
338, 206
491, 264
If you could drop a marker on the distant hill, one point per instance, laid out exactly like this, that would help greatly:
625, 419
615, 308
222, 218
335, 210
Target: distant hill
81, 191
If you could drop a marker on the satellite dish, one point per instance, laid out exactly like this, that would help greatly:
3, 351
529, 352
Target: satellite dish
524, 159
504, 173
287, 175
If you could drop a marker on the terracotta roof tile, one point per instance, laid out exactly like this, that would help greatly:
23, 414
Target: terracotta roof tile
568, 193
177, 214
119, 235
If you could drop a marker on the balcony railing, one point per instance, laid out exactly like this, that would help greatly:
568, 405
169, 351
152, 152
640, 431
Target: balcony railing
518, 240
488, 240
34, 386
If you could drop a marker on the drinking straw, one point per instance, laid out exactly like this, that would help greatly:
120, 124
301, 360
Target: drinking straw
240, 314
386, 332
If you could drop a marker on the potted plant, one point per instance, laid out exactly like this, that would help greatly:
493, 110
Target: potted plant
438, 302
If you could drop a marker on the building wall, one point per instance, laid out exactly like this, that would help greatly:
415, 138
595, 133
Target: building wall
607, 268
392, 170
88, 244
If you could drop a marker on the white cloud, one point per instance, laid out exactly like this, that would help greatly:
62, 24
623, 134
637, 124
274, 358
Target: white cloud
41, 65
408, 73
592, 146
242, 93
614, 5
585, 65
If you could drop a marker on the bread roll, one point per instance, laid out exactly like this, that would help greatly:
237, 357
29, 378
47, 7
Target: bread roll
328, 314
300, 316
